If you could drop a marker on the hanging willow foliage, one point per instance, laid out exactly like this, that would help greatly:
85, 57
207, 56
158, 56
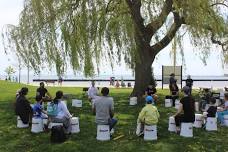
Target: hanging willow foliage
84, 32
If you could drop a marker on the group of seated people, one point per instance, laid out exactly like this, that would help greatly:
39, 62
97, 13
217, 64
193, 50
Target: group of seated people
103, 108
26, 112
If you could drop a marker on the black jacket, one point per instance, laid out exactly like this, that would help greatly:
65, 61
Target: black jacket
23, 108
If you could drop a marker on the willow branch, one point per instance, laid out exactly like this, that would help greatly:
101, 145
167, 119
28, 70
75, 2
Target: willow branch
156, 24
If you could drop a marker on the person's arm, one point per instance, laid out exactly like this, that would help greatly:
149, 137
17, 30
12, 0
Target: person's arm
141, 116
49, 95
65, 110
179, 109
111, 110
94, 108
89, 92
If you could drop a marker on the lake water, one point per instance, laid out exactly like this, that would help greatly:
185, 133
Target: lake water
205, 83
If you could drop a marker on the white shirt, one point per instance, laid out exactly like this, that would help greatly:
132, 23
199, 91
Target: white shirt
92, 92
63, 111
226, 104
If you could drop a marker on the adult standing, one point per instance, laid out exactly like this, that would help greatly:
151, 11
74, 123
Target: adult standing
23, 108
189, 83
174, 90
103, 108
42, 91
186, 111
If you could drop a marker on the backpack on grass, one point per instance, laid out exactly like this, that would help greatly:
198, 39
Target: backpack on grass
57, 134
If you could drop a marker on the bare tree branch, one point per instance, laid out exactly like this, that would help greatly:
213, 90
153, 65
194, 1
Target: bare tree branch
178, 21
220, 4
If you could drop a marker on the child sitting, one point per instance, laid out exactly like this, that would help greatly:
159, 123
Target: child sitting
37, 108
148, 116
39, 112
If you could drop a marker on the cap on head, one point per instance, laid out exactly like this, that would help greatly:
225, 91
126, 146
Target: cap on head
149, 99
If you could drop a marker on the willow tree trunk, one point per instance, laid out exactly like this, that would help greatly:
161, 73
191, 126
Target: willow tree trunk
143, 70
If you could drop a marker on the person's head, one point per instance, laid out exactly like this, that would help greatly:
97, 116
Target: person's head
38, 98
42, 84
24, 91
149, 99
212, 100
105, 91
186, 90
226, 96
93, 83
172, 75
58, 94
188, 77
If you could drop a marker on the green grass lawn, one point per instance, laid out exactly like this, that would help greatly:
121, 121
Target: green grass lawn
20, 140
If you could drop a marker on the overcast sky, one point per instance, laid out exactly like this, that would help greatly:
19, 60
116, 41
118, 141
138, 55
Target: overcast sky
9, 14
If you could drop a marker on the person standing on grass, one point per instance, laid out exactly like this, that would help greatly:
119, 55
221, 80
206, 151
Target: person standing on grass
23, 108
63, 114
189, 83
42, 91
149, 115
186, 111
103, 108
92, 92
224, 110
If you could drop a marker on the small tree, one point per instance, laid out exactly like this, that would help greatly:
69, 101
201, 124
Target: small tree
9, 71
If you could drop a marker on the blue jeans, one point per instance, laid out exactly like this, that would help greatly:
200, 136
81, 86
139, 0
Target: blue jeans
112, 122
220, 116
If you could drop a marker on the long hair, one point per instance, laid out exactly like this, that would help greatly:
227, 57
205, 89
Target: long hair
58, 95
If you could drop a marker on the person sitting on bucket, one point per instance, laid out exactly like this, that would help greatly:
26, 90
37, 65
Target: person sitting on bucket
186, 111
151, 91
22, 107
39, 111
211, 111
223, 111
103, 108
92, 92
61, 114
149, 115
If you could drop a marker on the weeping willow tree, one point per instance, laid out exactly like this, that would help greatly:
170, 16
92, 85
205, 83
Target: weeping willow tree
86, 32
